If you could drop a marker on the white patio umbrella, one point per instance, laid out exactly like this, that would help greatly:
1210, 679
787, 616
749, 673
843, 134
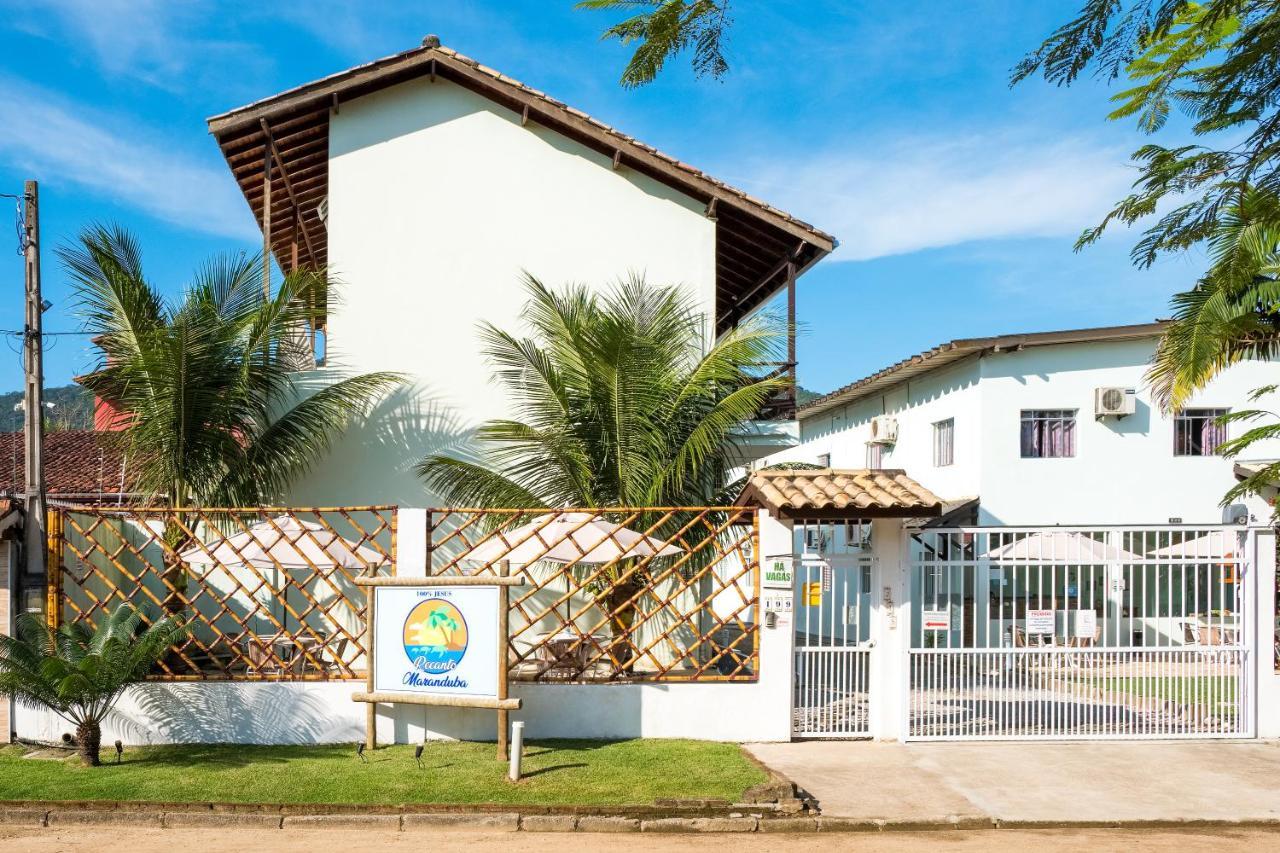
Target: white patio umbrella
1210, 546
563, 537
1061, 547
286, 543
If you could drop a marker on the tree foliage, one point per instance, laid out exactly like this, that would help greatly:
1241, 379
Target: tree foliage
618, 401
217, 412
661, 29
79, 674
1218, 63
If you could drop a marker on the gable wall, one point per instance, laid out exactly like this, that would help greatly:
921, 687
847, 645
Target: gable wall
438, 200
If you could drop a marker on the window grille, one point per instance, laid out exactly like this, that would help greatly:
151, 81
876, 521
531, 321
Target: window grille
1196, 432
1048, 433
944, 446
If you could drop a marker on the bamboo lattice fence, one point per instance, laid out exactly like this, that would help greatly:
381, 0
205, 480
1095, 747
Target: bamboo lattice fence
595, 608
270, 595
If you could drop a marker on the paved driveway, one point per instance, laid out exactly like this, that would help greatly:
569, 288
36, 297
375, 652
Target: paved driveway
1081, 781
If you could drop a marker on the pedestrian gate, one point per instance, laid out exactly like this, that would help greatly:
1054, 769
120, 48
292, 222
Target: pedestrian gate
1073, 633
832, 620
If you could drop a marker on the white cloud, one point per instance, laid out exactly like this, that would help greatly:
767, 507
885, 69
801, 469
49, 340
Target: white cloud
154, 41
910, 194
65, 143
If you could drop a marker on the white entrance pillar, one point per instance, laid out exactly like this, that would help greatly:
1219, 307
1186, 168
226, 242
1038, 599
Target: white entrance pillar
891, 631
777, 643
1265, 676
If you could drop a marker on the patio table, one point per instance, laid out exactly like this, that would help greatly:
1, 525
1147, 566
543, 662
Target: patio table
567, 649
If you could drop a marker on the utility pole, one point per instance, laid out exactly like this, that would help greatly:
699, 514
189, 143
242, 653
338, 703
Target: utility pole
33, 367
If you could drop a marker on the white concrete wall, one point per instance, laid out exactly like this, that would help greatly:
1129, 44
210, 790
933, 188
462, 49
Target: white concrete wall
438, 200
1266, 674
315, 712
951, 392
1124, 470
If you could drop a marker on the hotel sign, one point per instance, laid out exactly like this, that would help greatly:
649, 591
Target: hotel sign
436, 640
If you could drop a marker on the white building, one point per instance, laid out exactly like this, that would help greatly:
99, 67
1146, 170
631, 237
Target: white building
1013, 422
428, 184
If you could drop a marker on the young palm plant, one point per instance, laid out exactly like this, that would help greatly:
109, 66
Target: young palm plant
79, 675
620, 401
215, 406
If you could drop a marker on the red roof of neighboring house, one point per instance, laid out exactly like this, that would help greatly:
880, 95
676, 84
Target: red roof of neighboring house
76, 462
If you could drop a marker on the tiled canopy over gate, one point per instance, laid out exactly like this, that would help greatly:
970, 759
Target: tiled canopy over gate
830, 493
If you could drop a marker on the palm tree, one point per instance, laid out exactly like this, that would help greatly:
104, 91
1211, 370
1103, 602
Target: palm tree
620, 401
1231, 315
1233, 312
209, 385
79, 675
216, 410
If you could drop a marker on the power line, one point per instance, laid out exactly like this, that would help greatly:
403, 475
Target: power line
19, 333
19, 220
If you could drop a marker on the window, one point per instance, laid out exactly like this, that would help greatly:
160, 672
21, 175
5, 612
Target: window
1196, 432
824, 459
875, 455
1048, 433
944, 443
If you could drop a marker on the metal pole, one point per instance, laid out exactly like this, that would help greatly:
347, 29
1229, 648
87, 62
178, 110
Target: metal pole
33, 397
371, 709
504, 597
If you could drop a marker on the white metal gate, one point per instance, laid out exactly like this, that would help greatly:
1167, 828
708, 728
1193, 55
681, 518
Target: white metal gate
832, 613
1071, 633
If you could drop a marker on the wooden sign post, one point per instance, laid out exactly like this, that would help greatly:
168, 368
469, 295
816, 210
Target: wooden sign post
438, 654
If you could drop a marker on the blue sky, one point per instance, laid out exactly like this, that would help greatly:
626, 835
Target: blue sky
889, 124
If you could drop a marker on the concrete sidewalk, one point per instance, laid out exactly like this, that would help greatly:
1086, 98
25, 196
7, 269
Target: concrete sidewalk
1082, 782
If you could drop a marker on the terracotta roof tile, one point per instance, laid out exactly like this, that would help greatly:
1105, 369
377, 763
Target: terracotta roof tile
76, 462
859, 492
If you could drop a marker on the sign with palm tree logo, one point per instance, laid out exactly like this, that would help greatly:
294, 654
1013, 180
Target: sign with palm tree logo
436, 640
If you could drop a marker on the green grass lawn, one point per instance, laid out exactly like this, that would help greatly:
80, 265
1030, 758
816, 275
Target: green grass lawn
560, 772
1218, 691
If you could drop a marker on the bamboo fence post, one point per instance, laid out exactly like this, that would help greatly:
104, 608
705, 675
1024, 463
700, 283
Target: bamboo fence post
504, 598
371, 709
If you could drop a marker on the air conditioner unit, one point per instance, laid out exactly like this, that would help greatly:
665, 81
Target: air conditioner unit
884, 429
1115, 402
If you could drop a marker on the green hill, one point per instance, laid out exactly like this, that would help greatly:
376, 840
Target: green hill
72, 409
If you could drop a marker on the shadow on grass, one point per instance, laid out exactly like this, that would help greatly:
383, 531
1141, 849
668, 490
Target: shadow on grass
528, 774
222, 756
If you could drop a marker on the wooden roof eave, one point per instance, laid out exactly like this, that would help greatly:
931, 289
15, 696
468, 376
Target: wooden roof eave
421, 61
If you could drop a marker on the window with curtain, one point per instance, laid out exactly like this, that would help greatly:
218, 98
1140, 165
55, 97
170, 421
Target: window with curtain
875, 455
1196, 432
944, 443
1048, 433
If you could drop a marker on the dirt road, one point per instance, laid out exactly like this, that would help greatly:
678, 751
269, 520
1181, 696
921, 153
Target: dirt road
129, 840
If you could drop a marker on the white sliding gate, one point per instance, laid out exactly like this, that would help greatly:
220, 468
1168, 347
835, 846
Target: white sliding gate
832, 633
1072, 633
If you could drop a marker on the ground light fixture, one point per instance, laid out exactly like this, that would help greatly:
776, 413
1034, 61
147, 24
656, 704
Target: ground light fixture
360, 753
119, 750
417, 755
